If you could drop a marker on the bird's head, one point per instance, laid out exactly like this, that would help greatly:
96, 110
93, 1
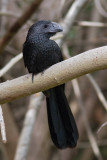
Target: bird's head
46, 28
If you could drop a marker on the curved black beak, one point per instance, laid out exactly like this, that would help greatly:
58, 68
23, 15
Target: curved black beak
56, 27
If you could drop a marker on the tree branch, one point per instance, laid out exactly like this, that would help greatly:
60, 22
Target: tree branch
18, 24
70, 17
10, 64
90, 61
90, 24
100, 8
9, 13
25, 137
98, 91
91, 137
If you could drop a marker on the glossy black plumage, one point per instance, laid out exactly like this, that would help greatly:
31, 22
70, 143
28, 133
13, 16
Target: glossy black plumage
39, 53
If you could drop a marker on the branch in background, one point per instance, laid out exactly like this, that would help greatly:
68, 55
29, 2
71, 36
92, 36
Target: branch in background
90, 61
65, 50
98, 91
100, 8
12, 132
25, 137
11, 50
10, 64
90, 24
71, 16
18, 24
103, 125
9, 13
80, 23
3, 19
2, 126
92, 140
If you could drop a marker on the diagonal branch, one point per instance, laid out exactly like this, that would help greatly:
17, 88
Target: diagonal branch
18, 24
91, 137
71, 16
90, 61
98, 91
10, 64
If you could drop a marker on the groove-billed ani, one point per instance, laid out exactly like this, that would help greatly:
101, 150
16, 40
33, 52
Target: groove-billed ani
39, 53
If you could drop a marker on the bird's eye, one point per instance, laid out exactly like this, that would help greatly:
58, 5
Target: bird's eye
45, 26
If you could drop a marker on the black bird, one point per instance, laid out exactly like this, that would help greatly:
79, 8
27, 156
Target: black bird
39, 53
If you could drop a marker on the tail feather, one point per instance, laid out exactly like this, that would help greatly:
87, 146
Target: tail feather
62, 125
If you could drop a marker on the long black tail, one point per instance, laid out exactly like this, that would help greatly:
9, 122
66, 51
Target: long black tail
62, 125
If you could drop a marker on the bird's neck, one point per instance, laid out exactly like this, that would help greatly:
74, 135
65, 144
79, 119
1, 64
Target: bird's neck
38, 38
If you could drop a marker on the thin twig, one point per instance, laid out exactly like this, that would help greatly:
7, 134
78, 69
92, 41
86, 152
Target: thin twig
91, 137
58, 36
5, 13
90, 24
10, 64
103, 125
98, 91
65, 51
25, 137
2, 126
100, 8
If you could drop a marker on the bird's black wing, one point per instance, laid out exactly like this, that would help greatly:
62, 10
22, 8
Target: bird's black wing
29, 55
